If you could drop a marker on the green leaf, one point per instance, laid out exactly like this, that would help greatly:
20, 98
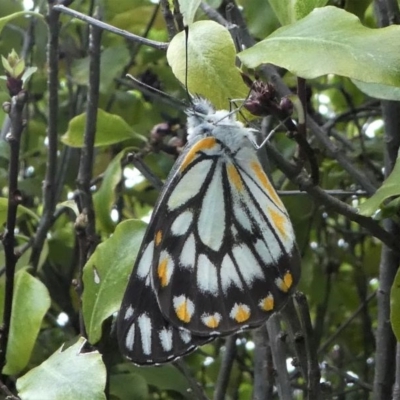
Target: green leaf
106, 273
291, 11
188, 10
5, 20
111, 129
129, 386
66, 375
331, 41
21, 210
211, 70
30, 304
395, 306
378, 91
389, 188
165, 377
105, 197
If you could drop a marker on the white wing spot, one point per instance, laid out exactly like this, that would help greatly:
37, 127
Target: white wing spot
249, 267
228, 274
211, 223
185, 335
189, 185
130, 337
146, 260
182, 223
145, 327
263, 251
129, 312
165, 336
188, 254
207, 278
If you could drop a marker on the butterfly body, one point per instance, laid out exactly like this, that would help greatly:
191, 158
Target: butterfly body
219, 254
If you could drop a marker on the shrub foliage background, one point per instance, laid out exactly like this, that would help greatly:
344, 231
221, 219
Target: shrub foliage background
81, 165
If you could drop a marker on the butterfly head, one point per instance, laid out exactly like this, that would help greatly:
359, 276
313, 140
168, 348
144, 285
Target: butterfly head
203, 118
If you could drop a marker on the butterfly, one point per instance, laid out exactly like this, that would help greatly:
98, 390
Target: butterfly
219, 254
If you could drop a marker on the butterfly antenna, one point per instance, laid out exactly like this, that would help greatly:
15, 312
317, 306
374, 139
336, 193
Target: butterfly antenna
150, 90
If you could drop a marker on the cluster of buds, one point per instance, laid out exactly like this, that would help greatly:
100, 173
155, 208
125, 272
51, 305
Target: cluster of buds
17, 74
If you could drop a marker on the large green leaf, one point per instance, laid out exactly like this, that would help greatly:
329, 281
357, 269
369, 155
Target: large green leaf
30, 304
389, 188
378, 91
331, 41
106, 273
66, 375
188, 10
111, 129
291, 11
210, 67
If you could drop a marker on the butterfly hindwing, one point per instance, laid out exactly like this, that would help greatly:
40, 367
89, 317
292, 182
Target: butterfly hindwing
144, 335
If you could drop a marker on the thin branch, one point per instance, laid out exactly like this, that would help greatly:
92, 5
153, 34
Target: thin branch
14, 198
196, 388
225, 370
329, 201
102, 25
85, 225
263, 371
313, 372
279, 356
145, 171
345, 324
50, 184
340, 157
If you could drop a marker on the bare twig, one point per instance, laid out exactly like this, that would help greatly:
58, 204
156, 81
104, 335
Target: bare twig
263, 371
225, 370
50, 184
279, 356
313, 372
102, 25
85, 225
14, 198
345, 324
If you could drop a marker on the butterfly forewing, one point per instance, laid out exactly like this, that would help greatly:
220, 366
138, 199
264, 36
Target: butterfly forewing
227, 257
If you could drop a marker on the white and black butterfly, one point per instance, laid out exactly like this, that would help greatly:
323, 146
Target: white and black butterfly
219, 253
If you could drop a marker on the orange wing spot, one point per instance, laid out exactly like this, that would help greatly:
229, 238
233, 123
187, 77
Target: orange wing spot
267, 303
240, 313
204, 144
286, 283
288, 280
279, 221
158, 237
162, 272
234, 177
212, 321
262, 177
183, 313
